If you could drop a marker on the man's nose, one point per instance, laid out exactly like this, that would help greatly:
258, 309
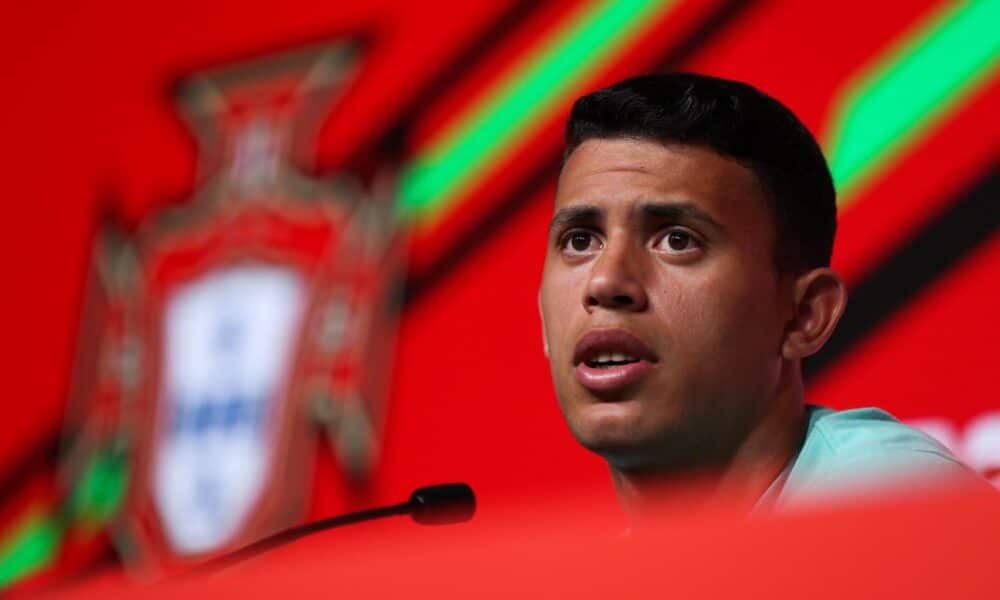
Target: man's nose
615, 280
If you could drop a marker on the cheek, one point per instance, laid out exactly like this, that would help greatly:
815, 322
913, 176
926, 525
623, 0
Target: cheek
559, 302
719, 316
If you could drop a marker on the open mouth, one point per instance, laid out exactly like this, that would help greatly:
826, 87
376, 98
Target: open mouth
605, 348
606, 360
610, 360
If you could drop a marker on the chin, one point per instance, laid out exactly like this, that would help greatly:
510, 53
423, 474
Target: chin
628, 439
609, 429
623, 453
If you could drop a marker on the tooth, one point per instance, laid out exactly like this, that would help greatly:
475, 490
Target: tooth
604, 357
618, 357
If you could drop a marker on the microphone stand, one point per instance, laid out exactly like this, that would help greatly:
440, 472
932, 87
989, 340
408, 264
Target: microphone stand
431, 505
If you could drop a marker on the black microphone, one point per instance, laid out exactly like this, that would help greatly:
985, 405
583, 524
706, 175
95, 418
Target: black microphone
441, 504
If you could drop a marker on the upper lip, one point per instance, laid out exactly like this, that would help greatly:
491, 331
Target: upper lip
596, 341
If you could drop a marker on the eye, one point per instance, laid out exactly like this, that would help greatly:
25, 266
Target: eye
579, 242
678, 241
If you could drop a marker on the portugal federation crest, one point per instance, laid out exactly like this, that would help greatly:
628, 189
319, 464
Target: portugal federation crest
223, 336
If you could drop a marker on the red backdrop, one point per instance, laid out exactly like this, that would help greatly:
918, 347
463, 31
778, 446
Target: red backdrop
89, 123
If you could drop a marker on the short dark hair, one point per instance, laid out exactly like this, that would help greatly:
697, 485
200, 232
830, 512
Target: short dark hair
740, 122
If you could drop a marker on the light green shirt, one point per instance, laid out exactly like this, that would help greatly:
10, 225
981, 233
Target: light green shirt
861, 454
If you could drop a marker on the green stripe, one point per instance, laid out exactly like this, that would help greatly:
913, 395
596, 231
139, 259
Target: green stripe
93, 502
437, 174
922, 80
31, 547
100, 491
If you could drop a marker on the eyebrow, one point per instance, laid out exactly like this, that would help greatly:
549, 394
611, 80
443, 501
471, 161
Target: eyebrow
574, 215
681, 212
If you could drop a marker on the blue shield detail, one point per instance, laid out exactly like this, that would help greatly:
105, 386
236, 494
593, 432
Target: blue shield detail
230, 338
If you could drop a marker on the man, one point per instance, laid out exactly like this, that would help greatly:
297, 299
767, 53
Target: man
686, 277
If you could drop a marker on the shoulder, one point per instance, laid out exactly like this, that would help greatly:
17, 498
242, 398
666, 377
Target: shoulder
871, 433
865, 452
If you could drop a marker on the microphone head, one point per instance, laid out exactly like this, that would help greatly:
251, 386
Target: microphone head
442, 504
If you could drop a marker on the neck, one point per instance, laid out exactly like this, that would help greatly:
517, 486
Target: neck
739, 483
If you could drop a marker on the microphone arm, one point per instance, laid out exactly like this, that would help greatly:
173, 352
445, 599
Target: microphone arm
432, 505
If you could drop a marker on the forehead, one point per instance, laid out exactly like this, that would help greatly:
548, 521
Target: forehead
617, 173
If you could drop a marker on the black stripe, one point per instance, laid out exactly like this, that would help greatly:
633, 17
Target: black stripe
34, 462
466, 244
701, 35
548, 169
928, 255
392, 144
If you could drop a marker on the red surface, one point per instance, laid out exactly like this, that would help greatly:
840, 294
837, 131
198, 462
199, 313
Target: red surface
933, 549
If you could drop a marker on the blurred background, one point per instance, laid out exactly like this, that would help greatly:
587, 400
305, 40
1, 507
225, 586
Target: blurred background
364, 188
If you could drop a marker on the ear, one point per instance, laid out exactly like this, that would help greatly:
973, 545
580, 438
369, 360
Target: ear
545, 336
820, 298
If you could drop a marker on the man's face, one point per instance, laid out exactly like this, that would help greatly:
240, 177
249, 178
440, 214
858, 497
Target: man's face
663, 312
